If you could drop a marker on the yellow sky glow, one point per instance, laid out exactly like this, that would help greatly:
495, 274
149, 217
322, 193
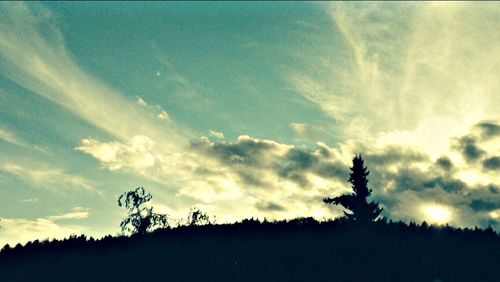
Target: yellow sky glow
436, 213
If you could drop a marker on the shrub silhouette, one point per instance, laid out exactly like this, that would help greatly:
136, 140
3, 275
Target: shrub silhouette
356, 203
140, 219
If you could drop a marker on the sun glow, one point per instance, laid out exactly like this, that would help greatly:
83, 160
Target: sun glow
436, 213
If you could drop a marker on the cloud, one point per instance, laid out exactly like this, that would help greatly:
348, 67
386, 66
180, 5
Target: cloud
141, 102
136, 155
309, 131
492, 163
444, 163
489, 129
30, 200
10, 137
270, 207
467, 145
393, 93
35, 57
164, 116
392, 71
216, 134
75, 213
47, 177
20, 230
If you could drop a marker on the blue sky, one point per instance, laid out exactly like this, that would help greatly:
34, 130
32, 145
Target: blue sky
245, 109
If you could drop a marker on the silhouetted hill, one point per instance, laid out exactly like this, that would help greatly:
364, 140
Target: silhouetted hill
298, 250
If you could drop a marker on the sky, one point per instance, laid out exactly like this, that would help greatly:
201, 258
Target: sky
246, 110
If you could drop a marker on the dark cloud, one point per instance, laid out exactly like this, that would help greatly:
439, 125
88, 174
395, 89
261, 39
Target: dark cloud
299, 159
488, 129
444, 163
493, 189
245, 150
492, 163
447, 184
332, 170
269, 206
250, 158
394, 154
396, 168
414, 179
294, 165
480, 205
411, 179
298, 162
469, 149
251, 177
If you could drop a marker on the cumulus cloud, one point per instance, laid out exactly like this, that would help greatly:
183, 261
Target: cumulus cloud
115, 155
492, 163
467, 145
488, 129
260, 177
404, 139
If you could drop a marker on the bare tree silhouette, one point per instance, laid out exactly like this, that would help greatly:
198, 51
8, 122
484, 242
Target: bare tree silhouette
198, 217
359, 209
140, 219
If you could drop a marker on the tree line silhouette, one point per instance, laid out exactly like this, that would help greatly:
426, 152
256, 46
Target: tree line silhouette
360, 246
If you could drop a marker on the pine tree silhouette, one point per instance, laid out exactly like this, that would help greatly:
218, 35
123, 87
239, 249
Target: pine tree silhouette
356, 203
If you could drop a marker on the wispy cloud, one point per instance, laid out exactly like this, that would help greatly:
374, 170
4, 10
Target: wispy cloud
310, 131
36, 58
30, 200
75, 213
47, 177
20, 230
10, 137
407, 71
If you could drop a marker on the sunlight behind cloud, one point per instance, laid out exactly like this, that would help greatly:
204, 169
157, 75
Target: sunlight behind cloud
398, 83
436, 213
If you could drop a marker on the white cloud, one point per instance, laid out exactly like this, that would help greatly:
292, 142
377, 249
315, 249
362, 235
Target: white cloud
20, 230
141, 102
216, 134
309, 131
47, 177
136, 155
75, 213
164, 116
426, 106
30, 200
410, 74
36, 58
10, 137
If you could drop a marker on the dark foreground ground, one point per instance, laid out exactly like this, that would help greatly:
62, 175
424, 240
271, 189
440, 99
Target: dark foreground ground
301, 250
